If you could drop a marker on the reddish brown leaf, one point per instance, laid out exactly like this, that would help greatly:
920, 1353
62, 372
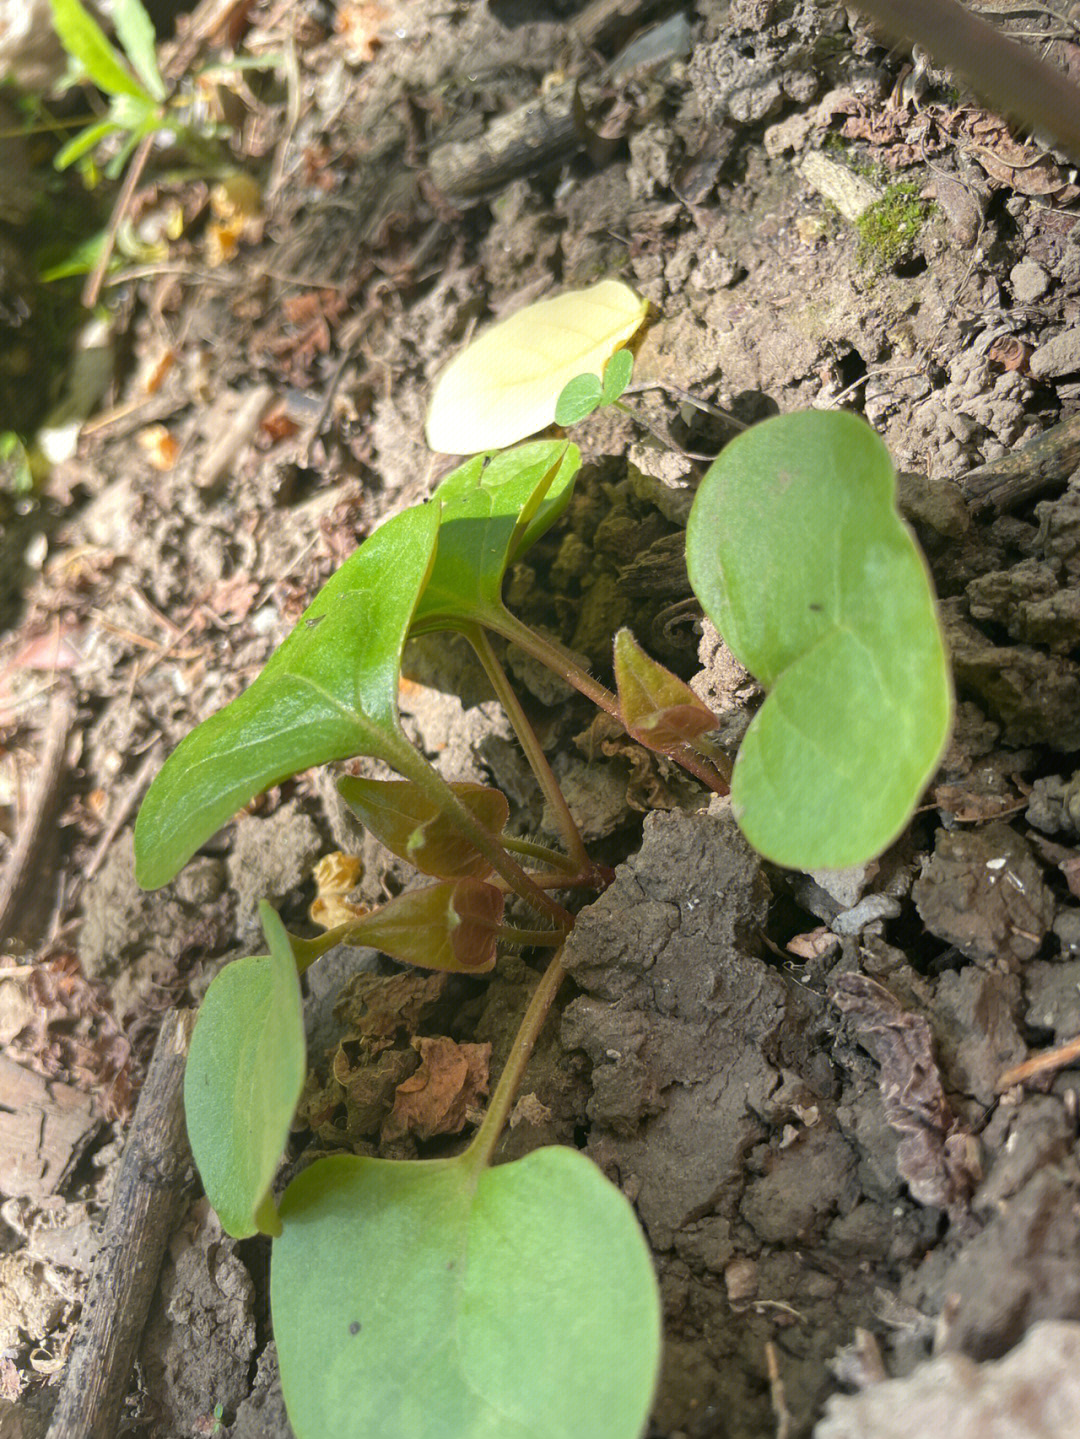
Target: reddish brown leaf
411, 825
659, 710
451, 925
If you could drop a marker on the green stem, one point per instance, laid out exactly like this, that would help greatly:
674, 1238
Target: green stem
543, 938
562, 663
483, 1145
307, 951
559, 660
540, 852
538, 762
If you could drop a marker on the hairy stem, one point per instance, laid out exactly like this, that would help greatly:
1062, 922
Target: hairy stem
542, 938
540, 852
1012, 77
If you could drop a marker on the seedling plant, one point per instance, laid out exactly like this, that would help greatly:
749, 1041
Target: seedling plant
448, 1298
138, 103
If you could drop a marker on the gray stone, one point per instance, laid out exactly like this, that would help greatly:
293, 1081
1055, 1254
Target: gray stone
1034, 1390
1054, 804
1029, 282
1067, 928
1052, 988
1059, 356
844, 885
874, 906
270, 857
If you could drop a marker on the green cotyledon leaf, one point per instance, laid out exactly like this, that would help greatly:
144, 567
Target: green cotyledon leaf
245, 1071
425, 1299
798, 554
329, 692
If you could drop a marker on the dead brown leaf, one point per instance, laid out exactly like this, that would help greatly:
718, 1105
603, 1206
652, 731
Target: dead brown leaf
937, 1157
1010, 353
72, 1036
442, 1095
646, 788
973, 806
813, 944
49, 652
377, 1007
358, 26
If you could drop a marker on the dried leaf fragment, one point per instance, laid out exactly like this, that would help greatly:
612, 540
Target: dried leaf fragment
159, 446
443, 1093
937, 1158
335, 875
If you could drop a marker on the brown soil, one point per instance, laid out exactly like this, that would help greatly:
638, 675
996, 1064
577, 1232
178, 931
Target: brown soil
796, 1079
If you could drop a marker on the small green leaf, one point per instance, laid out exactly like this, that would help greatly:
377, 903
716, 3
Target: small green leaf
798, 555
617, 374
407, 821
422, 1300
136, 33
491, 513
80, 259
329, 692
84, 40
504, 386
82, 143
450, 926
578, 400
244, 1075
658, 709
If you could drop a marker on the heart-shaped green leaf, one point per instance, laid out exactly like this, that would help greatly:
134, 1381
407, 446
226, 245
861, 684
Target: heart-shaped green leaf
578, 400
504, 385
244, 1075
798, 555
491, 513
407, 820
428, 1301
329, 692
585, 393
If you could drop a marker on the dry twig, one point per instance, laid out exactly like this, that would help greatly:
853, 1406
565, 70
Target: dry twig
23, 868
142, 1215
1043, 1063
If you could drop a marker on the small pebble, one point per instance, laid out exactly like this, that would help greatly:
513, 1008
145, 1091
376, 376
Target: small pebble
874, 906
1029, 282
